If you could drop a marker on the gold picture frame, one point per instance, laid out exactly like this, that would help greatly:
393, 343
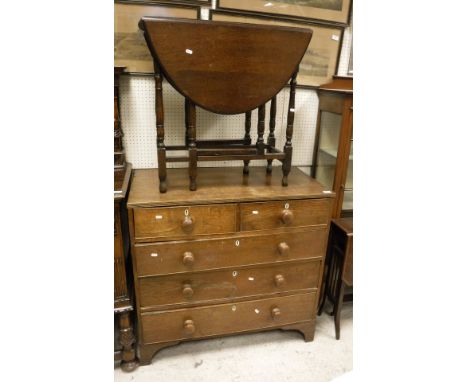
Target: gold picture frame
130, 49
320, 61
335, 11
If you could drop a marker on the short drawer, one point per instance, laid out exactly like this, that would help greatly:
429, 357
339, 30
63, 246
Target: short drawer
205, 254
294, 213
181, 222
206, 287
227, 318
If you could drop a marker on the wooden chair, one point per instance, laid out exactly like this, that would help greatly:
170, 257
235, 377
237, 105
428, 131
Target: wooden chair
225, 68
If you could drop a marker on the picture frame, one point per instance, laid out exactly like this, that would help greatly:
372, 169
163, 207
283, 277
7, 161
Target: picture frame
321, 59
331, 11
130, 49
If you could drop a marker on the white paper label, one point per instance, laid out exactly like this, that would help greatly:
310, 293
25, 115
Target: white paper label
255, 212
257, 311
158, 217
327, 192
154, 255
335, 37
188, 51
251, 279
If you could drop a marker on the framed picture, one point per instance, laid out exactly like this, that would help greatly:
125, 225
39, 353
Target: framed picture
130, 49
336, 11
321, 58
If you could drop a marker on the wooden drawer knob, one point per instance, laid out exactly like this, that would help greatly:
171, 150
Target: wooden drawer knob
187, 224
283, 249
187, 290
188, 258
275, 313
189, 327
279, 280
287, 216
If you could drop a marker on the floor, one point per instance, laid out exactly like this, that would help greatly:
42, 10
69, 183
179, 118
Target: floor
272, 356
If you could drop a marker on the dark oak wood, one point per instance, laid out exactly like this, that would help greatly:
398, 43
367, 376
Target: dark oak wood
339, 268
246, 249
175, 291
236, 317
123, 305
271, 135
243, 67
127, 339
294, 213
185, 221
222, 185
337, 97
247, 138
204, 268
289, 130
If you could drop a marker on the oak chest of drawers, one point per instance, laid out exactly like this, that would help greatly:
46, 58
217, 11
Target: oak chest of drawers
240, 254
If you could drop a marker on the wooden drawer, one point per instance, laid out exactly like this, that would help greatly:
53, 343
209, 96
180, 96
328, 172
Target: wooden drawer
186, 256
181, 222
293, 213
227, 318
204, 287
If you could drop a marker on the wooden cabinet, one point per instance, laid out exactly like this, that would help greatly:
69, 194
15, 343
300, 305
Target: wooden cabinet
241, 254
124, 350
333, 152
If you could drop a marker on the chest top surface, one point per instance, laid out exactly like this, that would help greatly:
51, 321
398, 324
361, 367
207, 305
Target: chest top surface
222, 185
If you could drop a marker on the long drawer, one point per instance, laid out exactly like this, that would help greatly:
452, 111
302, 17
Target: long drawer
206, 254
184, 222
294, 213
227, 318
204, 287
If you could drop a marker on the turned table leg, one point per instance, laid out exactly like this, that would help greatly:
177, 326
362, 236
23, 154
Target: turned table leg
271, 137
289, 131
192, 146
127, 340
247, 138
160, 131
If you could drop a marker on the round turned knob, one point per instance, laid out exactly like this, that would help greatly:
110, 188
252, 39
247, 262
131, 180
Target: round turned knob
189, 327
283, 249
187, 290
275, 313
188, 258
187, 224
287, 216
279, 280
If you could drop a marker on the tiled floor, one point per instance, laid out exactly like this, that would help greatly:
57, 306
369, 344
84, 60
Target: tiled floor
268, 356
